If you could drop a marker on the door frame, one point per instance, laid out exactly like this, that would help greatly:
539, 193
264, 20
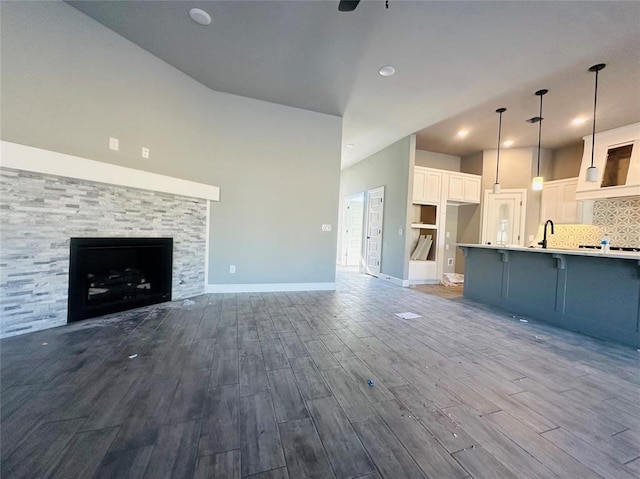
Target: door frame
523, 212
365, 249
345, 222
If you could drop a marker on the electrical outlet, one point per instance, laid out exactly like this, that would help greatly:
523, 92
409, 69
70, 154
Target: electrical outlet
114, 144
145, 152
446, 246
232, 268
448, 234
326, 227
449, 261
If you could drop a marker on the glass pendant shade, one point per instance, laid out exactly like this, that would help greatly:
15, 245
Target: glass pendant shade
496, 188
537, 183
592, 174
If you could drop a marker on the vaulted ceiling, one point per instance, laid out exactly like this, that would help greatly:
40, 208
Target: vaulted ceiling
456, 63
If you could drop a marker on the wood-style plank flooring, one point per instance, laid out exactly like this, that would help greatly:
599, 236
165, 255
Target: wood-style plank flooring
276, 385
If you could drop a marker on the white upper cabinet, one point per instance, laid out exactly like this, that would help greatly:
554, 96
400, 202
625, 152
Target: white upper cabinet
427, 185
472, 188
434, 186
456, 187
419, 184
559, 203
464, 188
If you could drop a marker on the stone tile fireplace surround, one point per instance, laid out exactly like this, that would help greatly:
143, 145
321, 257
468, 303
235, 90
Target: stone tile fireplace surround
40, 212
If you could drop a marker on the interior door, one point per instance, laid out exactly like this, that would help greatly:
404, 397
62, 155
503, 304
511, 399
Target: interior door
353, 229
373, 231
503, 219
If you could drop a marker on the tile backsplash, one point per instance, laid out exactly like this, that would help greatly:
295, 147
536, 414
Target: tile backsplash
571, 236
620, 218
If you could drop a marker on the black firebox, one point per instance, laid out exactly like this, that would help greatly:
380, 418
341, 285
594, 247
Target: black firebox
107, 275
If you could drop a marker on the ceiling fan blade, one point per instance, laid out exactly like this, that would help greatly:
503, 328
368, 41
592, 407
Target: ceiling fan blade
348, 5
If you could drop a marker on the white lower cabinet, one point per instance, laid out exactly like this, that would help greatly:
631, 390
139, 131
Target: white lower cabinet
423, 272
424, 243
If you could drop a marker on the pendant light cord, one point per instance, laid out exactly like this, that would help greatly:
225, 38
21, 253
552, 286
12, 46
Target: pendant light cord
539, 134
593, 131
500, 111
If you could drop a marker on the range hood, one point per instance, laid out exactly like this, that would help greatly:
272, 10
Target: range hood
617, 157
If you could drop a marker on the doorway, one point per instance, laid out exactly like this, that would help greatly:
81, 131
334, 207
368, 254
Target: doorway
353, 218
373, 231
503, 217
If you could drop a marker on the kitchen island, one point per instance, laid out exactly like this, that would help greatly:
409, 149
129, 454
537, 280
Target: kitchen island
580, 290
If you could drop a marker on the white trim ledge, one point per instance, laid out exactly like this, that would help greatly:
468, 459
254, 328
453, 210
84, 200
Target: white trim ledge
28, 158
269, 287
418, 282
397, 281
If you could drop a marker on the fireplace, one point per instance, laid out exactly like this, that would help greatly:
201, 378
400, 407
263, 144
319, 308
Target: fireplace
107, 275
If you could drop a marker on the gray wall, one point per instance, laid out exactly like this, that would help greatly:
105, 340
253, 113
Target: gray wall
388, 168
472, 164
567, 161
469, 218
517, 168
440, 161
450, 228
68, 84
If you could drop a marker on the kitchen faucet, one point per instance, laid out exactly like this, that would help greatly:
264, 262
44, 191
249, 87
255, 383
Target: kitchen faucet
543, 243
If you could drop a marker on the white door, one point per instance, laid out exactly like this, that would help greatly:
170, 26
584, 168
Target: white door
373, 231
352, 231
503, 218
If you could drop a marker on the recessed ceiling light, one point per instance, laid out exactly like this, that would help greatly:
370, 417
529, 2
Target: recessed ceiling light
350, 145
507, 143
200, 16
463, 133
387, 71
578, 121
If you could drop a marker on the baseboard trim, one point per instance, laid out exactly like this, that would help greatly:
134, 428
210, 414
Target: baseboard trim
397, 281
269, 287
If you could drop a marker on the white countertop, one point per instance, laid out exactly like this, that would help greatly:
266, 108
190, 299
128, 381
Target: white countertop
573, 252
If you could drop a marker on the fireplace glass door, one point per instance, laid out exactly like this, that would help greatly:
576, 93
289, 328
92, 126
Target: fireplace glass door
115, 274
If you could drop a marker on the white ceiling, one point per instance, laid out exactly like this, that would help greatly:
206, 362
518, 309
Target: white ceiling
456, 63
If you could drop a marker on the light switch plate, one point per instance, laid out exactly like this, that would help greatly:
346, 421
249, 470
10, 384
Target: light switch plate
232, 268
114, 144
326, 227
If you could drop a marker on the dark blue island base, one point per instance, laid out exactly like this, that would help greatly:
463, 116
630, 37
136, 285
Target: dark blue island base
586, 292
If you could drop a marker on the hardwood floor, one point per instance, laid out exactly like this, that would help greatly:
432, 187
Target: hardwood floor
276, 385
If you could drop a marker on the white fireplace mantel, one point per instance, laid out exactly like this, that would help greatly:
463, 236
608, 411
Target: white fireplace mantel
28, 158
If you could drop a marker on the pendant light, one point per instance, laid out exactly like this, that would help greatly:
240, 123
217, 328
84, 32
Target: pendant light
592, 171
538, 181
496, 185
